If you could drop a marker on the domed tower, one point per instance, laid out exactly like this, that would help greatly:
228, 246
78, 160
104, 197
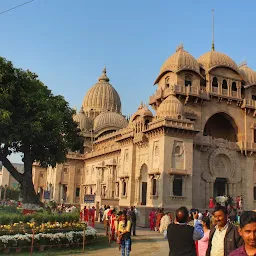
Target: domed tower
84, 122
141, 118
101, 97
171, 107
107, 122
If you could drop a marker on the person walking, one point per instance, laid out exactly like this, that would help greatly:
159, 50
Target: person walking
133, 218
124, 235
224, 237
181, 236
247, 230
106, 219
203, 242
164, 223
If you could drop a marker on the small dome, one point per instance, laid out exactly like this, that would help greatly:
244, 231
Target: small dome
248, 74
109, 121
180, 60
102, 96
171, 107
85, 123
213, 59
142, 111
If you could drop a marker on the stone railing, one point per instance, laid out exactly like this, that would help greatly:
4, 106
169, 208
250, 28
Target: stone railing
102, 151
75, 155
181, 124
215, 142
249, 103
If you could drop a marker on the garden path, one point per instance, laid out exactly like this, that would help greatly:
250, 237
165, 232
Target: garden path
148, 243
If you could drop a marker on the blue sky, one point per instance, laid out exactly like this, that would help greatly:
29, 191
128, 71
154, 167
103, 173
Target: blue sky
68, 42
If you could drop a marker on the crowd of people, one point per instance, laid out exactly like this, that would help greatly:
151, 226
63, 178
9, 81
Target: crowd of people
196, 234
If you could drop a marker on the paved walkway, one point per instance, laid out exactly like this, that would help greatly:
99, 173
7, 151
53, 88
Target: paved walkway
146, 243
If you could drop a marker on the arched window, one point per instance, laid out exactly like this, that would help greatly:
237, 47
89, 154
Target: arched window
188, 80
154, 187
167, 84
224, 84
177, 150
234, 87
146, 124
177, 185
124, 188
215, 82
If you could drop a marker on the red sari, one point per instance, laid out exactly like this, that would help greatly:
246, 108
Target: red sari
211, 203
152, 217
158, 219
92, 217
86, 215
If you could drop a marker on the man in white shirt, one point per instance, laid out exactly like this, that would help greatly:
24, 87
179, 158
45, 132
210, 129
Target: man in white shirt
105, 219
224, 237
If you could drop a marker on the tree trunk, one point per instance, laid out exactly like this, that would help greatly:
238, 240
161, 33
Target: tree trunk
27, 190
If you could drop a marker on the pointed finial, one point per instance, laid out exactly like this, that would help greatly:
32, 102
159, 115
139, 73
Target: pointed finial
104, 76
213, 46
179, 47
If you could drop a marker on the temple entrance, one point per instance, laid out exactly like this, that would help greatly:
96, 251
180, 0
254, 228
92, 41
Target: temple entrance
220, 187
144, 184
144, 193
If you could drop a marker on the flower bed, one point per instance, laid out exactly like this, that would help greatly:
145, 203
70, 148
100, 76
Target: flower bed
67, 238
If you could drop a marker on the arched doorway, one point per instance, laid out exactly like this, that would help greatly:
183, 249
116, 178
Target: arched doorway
221, 125
220, 187
144, 184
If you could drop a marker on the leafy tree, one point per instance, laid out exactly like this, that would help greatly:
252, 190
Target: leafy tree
35, 123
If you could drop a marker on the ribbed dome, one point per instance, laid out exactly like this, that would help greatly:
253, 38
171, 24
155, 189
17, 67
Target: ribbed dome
248, 74
102, 96
85, 123
180, 60
142, 111
170, 107
213, 59
109, 121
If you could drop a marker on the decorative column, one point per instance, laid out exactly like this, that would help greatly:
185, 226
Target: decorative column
171, 184
226, 188
211, 189
61, 193
207, 190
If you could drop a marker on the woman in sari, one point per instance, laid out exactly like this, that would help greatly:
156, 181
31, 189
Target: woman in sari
158, 219
152, 217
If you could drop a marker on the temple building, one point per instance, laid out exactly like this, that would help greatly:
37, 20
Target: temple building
197, 142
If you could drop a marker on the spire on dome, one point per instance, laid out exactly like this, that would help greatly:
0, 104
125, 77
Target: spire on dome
213, 46
179, 47
104, 76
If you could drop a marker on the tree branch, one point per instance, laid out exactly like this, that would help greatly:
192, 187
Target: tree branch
10, 168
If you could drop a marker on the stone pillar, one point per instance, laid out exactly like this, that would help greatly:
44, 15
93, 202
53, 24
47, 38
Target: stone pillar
184, 181
211, 189
226, 188
138, 190
71, 185
171, 184
207, 190
61, 193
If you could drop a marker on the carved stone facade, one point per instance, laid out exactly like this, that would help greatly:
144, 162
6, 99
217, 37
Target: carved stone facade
199, 144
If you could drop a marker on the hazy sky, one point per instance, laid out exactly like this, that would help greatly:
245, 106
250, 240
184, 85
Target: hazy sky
68, 42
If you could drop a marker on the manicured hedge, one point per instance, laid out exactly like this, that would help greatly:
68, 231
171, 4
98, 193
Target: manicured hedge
38, 218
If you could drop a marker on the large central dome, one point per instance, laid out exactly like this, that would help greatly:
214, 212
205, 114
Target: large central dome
102, 97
